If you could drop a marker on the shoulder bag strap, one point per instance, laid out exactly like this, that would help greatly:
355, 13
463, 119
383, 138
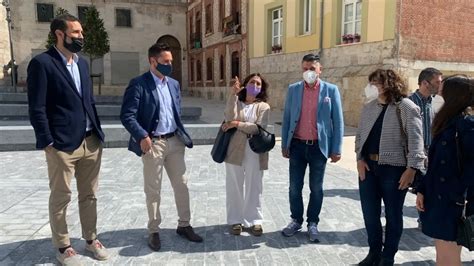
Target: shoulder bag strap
402, 130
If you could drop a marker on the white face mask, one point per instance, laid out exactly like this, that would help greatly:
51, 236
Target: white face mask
310, 76
371, 92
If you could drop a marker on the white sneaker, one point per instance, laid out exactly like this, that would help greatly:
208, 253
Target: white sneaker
99, 251
69, 258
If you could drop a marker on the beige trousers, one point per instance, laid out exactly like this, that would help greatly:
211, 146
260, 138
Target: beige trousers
167, 153
84, 164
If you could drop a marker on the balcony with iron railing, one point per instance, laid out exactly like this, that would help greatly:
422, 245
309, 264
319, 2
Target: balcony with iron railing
231, 26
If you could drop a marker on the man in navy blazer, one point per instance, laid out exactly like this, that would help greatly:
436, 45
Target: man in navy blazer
151, 112
312, 132
64, 118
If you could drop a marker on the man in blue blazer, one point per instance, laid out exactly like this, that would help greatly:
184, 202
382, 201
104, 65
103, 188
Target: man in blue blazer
312, 132
63, 115
151, 112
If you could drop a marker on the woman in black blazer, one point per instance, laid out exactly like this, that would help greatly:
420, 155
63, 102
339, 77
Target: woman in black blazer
449, 181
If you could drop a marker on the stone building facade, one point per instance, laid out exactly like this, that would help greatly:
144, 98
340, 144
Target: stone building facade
217, 46
402, 35
4, 47
132, 25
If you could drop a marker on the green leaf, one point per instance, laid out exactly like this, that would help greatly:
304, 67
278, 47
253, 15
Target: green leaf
96, 38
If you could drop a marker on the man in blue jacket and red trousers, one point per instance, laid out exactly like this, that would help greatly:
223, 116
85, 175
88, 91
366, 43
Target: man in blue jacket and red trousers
151, 113
312, 132
63, 115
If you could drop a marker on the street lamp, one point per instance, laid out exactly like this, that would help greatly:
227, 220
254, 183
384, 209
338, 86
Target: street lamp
6, 4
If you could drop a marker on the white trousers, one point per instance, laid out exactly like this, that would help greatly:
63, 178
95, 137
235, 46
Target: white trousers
244, 190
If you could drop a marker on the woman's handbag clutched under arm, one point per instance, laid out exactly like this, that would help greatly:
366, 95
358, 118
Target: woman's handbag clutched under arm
263, 141
221, 143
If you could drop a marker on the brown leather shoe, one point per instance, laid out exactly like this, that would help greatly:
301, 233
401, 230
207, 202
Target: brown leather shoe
236, 229
154, 241
256, 230
188, 232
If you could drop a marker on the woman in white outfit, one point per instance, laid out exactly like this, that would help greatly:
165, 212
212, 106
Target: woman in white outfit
246, 107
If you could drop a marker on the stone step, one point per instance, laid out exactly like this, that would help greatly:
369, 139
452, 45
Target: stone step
10, 89
23, 98
17, 111
16, 138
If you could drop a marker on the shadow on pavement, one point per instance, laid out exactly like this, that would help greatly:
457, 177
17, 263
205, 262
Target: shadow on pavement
418, 263
133, 243
353, 194
412, 239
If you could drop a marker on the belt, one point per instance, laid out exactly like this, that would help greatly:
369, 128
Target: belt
374, 157
88, 133
165, 136
307, 141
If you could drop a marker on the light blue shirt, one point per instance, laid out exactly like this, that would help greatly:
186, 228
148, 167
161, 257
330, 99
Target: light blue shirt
166, 124
73, 69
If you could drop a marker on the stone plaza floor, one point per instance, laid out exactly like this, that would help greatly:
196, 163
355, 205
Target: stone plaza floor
25, 233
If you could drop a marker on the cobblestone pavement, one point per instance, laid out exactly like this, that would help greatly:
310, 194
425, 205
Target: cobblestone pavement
25, 233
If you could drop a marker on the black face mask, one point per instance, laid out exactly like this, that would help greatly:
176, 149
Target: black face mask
75, 46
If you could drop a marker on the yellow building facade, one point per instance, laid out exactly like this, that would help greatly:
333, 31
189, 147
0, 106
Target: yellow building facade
353, 38
380, 13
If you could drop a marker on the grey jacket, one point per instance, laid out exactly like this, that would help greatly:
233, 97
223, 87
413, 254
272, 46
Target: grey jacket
392, 143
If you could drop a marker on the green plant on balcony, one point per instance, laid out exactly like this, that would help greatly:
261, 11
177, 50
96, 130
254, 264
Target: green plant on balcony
197, 43
231, 25
195, 40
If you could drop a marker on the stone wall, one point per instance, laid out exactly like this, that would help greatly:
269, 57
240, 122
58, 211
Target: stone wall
4, 46
347, 66
150, 21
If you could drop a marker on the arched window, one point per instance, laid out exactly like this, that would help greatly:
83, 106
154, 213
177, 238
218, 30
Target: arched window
199, 70
198, 26
209, 18
192, 69
209, 68
235, 65
221, 67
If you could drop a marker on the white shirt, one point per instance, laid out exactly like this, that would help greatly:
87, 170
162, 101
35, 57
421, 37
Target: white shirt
249, 112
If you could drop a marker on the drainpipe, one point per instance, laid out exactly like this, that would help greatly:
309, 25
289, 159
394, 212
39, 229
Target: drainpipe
321, 29
397, 59
6, 4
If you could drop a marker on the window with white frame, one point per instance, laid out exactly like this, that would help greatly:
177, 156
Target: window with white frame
351, 17
277, 26
306, 16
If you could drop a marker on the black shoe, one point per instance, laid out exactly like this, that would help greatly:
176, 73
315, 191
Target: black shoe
154, 241
188, 232
371, 259
386, 262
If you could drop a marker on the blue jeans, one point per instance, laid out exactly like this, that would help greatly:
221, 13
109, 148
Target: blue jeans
381, 183
302, 155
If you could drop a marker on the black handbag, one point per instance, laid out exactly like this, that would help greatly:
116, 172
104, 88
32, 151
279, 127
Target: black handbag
263, 141
465, 236
221, 143
466, 232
